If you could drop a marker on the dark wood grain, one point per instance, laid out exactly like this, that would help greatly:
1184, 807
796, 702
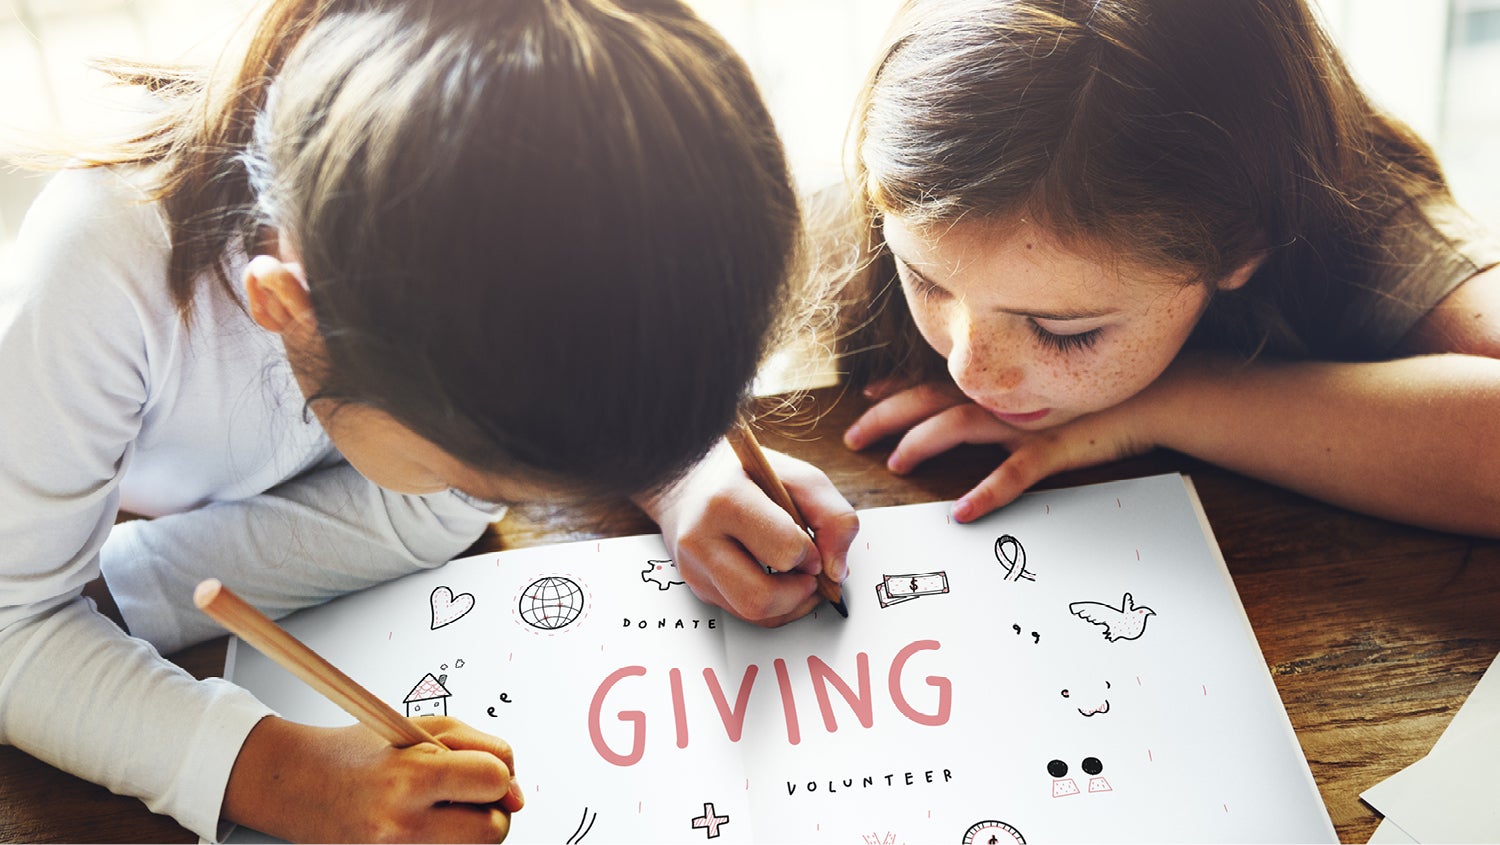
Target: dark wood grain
1374, 632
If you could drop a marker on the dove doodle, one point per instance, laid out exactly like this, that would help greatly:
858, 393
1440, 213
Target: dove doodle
1126, 622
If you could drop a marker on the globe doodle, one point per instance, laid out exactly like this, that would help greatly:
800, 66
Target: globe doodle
551, 603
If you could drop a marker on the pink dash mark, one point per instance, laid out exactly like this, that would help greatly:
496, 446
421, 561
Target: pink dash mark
1226, 808
1205, 689
598, 547
638, 808
1117, 503
1138, 681
388, 636
1049, 509
1150, 758
1137, 554
949, 518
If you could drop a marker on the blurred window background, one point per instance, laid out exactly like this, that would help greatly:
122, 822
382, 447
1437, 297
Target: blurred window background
1432, 62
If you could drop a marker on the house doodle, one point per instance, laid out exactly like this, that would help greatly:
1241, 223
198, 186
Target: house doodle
429, 697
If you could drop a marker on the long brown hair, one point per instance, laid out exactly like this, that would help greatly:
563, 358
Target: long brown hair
547, 235
1177, 133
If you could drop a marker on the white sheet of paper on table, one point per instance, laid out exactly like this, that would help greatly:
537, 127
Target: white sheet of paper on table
1111, 691
1449, 795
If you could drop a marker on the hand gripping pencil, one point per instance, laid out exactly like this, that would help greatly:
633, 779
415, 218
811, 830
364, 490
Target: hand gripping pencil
753, 459
255, 628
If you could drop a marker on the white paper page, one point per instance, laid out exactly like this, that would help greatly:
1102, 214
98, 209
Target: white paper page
947, 707
1389, 833
524, 643
1187, 735
1447, 796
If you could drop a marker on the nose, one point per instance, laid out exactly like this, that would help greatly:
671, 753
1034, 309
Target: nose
981, 361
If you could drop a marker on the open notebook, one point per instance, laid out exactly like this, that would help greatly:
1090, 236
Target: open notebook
1073, 668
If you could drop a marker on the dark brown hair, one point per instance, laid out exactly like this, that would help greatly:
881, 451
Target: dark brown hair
551, 236
1182, 134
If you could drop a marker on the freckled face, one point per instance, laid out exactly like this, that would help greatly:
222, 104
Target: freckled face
1034, 333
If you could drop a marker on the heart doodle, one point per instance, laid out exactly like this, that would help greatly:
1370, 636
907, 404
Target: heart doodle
448, 608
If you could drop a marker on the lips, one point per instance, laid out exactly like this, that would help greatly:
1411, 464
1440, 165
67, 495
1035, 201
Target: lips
1021, 419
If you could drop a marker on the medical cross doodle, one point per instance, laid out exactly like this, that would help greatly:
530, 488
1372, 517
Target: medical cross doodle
709, 821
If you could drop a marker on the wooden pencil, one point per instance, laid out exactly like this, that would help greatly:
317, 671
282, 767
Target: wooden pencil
753, 459
270, 639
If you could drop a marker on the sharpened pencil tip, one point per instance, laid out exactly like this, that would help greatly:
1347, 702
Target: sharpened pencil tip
838, 604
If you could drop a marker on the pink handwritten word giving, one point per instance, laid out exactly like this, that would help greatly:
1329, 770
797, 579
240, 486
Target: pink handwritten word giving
822, 677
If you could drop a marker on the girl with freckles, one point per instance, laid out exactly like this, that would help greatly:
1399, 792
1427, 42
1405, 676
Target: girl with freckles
1091, 229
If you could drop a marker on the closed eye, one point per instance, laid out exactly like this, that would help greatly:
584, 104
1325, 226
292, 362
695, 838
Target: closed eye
1066, 342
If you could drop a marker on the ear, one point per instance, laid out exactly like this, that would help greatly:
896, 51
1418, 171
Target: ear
278, 296
1242, 274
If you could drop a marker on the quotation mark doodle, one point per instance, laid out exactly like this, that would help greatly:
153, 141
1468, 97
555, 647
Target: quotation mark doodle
1035, 637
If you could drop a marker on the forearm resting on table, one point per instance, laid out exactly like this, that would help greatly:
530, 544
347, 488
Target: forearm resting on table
1415, 440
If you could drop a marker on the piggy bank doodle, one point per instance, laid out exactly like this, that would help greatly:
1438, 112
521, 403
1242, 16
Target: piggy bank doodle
662, 573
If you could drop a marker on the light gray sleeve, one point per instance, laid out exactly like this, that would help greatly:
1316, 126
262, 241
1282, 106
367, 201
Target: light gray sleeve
75, 691
76, 348
300, 544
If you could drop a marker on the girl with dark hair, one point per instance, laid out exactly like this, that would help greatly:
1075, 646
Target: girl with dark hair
1096, 227
473, 252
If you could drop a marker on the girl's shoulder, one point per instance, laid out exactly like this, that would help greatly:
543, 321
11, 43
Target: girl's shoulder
93, 236
1443, 228
1424, 253
1355, 301
97, 214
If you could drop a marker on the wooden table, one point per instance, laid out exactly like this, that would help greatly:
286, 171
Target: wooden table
1374, 632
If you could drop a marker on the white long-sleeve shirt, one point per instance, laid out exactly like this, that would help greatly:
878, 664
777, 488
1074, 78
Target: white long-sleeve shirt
108, 400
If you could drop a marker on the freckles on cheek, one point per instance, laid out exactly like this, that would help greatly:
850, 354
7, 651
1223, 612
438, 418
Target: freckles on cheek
1127, 361
1138, 361
1089, 385
1105, 377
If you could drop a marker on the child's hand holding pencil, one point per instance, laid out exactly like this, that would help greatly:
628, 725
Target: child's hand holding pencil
743, 511
388, 778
